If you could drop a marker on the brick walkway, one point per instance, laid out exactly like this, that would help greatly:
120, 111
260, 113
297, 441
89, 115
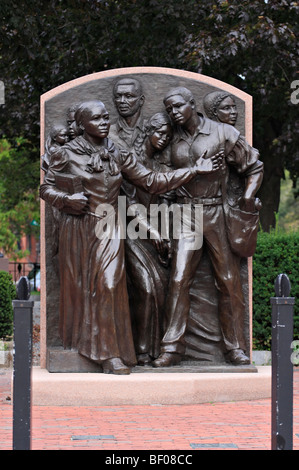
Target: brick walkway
224, 426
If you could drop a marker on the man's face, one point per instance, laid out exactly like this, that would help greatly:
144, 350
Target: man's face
179, 110
72, 126
128, 100
96, 121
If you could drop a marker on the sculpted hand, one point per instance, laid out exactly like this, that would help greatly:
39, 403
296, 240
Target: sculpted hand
249, 204
164, 250
124, 155
160, 244
77, 202
210, 164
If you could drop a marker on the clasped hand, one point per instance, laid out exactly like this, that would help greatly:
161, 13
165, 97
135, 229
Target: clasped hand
249, 204
209, 164
77, 202
164, 250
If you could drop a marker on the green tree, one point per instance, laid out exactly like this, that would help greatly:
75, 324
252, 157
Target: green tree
19, 201
59, 40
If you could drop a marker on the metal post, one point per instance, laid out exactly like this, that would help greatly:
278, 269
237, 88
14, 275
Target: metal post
282, 367
22, 367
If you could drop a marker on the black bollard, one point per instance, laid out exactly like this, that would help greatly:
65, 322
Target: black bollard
282, 367
22, 367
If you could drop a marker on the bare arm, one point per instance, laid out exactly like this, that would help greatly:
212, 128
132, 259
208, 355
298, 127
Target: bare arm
248, 201
159, 183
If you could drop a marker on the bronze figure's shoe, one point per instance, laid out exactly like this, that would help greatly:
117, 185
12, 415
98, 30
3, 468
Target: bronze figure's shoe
167, 360
237, 357
144, 359
115, 366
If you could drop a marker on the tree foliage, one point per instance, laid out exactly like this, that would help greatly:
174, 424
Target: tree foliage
251, 44
45, 44
19, 202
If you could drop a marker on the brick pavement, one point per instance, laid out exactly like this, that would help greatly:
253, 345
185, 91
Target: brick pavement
244, 425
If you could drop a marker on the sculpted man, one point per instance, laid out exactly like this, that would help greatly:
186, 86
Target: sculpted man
195, 135
147, 278
128, 131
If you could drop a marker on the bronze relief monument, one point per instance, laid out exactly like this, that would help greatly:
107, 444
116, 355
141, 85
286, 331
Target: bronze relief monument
149, 210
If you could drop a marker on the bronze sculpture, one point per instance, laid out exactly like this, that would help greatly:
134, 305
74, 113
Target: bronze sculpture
147, 259
73, 129
128, 131
147, 278
147, 87
195, 135
58, 136
94, 310
221, 106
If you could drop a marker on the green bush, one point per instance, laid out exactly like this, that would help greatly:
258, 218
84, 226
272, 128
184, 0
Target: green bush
277, 252
7, 294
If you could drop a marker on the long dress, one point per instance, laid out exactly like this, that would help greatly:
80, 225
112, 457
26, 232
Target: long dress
147, 273
94, 316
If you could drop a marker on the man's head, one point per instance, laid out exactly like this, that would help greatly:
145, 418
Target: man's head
73, 129
128, 97
180, 105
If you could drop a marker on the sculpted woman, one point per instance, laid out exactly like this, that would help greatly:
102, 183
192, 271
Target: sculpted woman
94, 309
147, 259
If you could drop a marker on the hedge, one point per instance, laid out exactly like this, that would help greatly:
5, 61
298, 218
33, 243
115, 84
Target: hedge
7, 294
277, 252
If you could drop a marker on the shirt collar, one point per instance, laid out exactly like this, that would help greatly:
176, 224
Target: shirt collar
204, 127
122, 125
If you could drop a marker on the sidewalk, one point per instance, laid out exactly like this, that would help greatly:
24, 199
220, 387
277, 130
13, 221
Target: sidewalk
240, 425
